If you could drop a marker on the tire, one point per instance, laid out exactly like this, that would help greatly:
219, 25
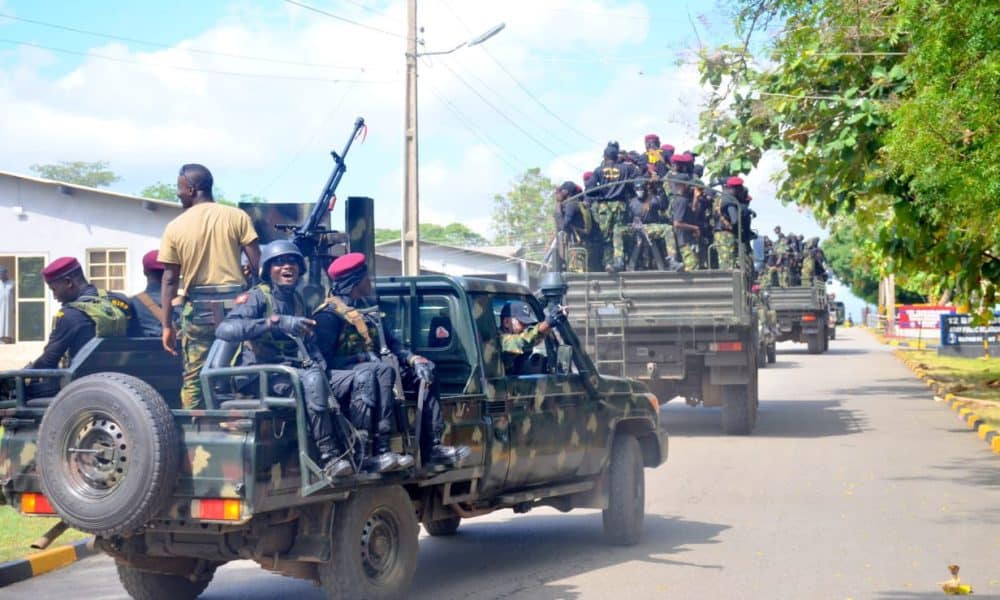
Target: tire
443, 527
833, 333
120, 486
815, 342
626, 494
772, 354
762, 355
739, 405
374, 546
147, 585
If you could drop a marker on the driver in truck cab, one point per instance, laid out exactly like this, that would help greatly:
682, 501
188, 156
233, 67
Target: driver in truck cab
520, 332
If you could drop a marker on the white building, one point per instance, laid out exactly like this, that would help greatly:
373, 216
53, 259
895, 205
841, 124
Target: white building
107, 232
490, 262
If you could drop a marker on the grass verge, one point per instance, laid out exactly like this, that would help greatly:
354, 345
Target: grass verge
972, 378
17, 532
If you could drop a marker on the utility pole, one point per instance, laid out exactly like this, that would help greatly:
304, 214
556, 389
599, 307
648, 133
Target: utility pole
409, 232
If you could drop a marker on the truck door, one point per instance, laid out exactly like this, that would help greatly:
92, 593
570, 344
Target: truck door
547, 425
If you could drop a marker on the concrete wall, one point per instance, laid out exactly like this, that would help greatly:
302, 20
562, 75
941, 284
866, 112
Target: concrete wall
37, 218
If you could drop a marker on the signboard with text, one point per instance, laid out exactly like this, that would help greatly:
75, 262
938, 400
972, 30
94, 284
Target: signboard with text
920, 316
957, 330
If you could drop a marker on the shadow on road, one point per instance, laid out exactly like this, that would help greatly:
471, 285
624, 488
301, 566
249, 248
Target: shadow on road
900, 387
780, 418
531, 551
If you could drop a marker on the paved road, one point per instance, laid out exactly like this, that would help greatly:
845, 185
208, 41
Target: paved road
854, 485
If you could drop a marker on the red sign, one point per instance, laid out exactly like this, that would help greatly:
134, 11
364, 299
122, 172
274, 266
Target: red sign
921, 316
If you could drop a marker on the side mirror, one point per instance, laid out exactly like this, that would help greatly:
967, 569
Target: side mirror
564, 359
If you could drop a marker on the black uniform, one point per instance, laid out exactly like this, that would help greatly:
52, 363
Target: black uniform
250, 322
72, 329
144, 323
358, 377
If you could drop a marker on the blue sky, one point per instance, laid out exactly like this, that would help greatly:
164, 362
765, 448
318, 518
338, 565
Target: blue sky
261, 91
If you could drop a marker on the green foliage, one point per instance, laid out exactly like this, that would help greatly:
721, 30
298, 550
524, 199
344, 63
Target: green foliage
523, 216
854, 261
453, 234
884, 113
160, 191
91, 174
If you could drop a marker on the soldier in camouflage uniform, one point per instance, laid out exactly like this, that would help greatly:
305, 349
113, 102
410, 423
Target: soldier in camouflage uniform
581, 234
646, 215
520, 332
727, 222
782, 259
609, 189
685, 226
266, 320
353, 341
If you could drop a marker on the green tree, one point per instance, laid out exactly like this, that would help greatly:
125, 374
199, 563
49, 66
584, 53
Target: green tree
160, 191
854, 261
454, 234
91, 174
523, 216
851, 94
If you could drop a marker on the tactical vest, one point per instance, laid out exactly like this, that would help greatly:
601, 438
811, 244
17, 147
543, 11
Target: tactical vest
109, 320
582, 233
268, 347
355, 339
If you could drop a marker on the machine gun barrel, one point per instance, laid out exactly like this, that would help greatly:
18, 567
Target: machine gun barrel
311, 226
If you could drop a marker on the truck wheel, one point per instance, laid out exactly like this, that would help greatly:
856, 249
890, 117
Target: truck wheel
626, 493
374, 546
815, 342
147, 585
739, 405
772, 353
443, 527
833, 333
762, 355
108, 453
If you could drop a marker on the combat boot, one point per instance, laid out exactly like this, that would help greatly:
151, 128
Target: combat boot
335, 468
330, 458
448, 455
616, 266
384, 459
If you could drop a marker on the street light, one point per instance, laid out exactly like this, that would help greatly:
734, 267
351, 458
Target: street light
410, 234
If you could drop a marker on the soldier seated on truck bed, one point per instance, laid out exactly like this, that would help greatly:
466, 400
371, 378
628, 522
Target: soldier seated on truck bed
266, 319
520, 332
358, 349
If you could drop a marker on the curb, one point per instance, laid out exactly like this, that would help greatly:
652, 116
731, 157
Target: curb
44, 561
958, 404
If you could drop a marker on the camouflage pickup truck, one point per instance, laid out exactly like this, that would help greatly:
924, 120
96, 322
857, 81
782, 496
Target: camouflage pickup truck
172, 494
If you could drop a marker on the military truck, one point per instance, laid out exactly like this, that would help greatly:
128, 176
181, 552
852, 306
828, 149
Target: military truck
837, 314
803, 312
683, 334
173, 494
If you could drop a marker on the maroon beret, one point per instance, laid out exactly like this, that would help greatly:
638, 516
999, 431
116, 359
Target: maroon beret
651, 136
682, 158
734, 181
346, 264
667, 148
587, 176
60, 267
149, 262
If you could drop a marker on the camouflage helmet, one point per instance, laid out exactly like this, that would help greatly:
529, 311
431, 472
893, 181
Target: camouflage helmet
276, 249
516, 309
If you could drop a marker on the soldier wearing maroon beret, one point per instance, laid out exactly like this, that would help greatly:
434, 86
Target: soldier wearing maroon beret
351, 337
147, 310
86, 312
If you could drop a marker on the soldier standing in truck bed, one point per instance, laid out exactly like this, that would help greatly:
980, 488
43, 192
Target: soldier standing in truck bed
683, 219
609, 189
581, 232
201, 249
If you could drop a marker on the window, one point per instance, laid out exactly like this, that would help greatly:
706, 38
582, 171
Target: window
106, 268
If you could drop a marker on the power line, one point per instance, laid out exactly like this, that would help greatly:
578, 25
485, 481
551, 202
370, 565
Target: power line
168, 46
504, 115
188, 69
345, 19
497, 149
521, 85
375, 11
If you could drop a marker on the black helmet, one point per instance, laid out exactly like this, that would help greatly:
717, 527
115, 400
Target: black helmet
275, 249
519, 310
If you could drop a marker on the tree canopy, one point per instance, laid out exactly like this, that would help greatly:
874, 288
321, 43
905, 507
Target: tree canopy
454, 234
91, 174
523, 215
884, 112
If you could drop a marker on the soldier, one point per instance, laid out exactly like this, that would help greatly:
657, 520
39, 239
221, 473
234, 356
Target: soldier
266, 320
201, 247
782, 259
582, 235
667, 151
646, 217
86, 312
653, 162
609, 189
812, 262
727, 221
682, 215
147, 312
520, 331
351, 337
769, 273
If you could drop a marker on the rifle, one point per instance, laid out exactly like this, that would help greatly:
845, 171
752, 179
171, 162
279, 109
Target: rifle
641, 239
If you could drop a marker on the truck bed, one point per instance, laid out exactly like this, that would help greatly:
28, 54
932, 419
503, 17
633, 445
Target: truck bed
798, 298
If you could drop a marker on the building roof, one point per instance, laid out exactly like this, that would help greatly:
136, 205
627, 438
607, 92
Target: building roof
62, 186
506, 252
